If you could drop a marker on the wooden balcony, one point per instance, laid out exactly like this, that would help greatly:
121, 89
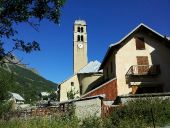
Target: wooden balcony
143, 70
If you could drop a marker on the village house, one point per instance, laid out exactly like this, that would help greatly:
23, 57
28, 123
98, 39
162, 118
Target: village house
17, 100
137, 64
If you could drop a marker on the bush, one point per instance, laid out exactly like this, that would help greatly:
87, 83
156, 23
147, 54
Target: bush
142, 113
5, 107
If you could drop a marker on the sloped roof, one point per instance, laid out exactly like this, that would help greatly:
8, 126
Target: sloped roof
17, 96
45, 94
91, 67
136, 29
81, 22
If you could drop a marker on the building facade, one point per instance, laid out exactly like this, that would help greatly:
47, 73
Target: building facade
139, 62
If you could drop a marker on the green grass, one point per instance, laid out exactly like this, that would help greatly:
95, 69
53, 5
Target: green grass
135, 114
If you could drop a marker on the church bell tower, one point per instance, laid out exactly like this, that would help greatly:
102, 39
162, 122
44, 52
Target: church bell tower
80, 45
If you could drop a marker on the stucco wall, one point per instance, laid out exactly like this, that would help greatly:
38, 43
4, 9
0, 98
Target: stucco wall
89, 80
126, 56
66, 87
88, 108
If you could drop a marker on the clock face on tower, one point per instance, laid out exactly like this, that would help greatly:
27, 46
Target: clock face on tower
80, 45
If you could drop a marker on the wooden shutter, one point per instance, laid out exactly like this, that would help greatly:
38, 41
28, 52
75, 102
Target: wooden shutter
143, 60
140, 45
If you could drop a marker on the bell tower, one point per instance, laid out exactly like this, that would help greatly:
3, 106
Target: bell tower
79, 45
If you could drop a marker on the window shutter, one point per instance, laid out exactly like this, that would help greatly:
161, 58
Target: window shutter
140, 45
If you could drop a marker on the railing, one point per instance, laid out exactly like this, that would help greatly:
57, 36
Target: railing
144, 70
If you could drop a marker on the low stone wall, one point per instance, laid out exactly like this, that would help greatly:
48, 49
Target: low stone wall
88, 108
125, 99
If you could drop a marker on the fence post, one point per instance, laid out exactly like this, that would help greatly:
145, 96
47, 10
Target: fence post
152, 118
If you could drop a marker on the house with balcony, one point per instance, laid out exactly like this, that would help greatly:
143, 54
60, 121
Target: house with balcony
137, 64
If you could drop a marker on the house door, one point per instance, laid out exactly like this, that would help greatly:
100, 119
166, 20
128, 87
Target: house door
143, 64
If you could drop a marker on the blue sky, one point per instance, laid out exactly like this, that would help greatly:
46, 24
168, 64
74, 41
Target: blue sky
107, 22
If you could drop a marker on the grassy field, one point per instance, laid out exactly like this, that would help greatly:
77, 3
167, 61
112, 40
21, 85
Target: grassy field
135, 114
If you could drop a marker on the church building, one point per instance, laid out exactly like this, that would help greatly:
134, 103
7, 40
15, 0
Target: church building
85, 75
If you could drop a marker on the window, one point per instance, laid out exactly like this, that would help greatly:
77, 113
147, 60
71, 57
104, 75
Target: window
78, 38
140, 44
82, 38
72, 83
78, 29
82, 29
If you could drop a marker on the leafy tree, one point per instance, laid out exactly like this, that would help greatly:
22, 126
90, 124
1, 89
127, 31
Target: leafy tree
72, 94
14, 12
6, 81
53, 95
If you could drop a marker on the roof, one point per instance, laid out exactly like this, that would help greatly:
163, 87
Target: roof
44, 94
91, 67
82, 99
136, 29
17, 96
102, 85
81, 22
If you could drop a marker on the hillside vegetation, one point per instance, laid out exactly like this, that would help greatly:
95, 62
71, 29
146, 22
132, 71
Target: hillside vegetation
26, 82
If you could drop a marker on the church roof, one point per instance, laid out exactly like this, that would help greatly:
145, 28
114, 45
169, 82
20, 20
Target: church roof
91, 67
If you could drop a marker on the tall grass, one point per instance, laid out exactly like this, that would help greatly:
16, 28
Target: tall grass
139, 113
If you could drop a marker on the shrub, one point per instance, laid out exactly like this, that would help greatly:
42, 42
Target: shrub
142, 113
5, 107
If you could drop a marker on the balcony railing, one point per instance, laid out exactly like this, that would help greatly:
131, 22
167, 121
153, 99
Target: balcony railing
143, 70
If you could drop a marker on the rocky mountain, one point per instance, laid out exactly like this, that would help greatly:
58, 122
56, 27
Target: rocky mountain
27, 82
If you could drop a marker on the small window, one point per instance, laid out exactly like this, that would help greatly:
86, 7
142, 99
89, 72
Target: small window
72, 83
78, 38
82, 29
78, 29
140, 44
82, 39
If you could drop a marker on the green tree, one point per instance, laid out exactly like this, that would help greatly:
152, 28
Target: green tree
14, 12
6, 81
72, 94
53, 95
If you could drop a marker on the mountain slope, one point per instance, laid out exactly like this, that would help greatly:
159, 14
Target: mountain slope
27, 82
